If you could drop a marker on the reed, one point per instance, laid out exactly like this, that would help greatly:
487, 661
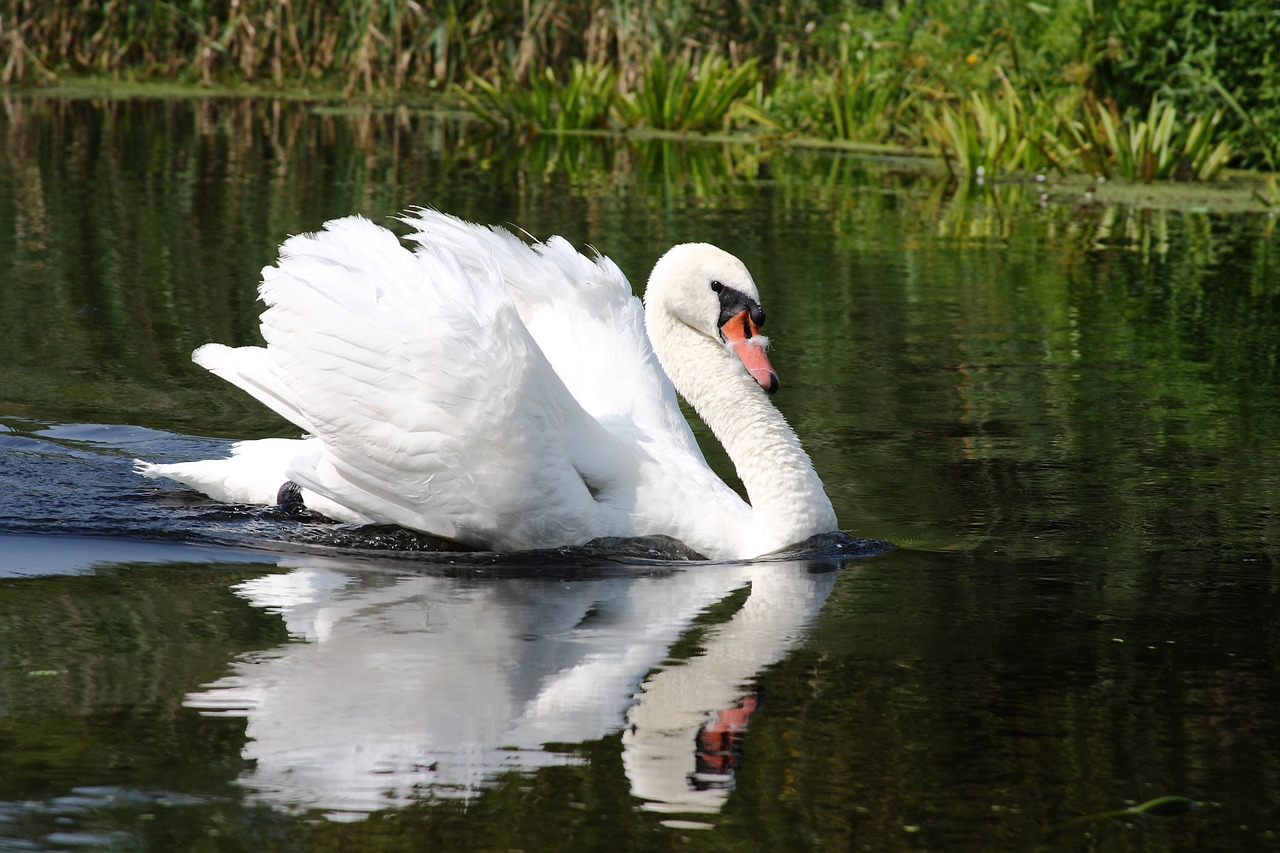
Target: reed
674, 96
1003, 87
682, 96
1271, 198
866, 99
583, 101
370, 46
1004, 133
1155, 147
985, 135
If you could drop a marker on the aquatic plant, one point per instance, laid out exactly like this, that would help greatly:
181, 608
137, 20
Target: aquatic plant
1157, 147
1271, 199
983, 134
1160, 807
971, 133
676, 95
854, 101
989, 134
668, 96
582, 102
1006, 86
1206, 159
866, 100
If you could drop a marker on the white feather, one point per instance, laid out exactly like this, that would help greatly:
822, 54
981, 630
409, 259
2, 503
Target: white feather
501, 394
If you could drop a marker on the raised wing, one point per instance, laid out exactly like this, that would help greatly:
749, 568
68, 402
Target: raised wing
435, 407
585, 319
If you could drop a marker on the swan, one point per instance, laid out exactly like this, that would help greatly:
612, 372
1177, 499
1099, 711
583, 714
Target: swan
509, 395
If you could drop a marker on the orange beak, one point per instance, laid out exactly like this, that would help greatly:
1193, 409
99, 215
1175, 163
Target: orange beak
743, 336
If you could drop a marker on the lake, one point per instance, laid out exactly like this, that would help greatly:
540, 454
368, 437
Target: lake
1062, 409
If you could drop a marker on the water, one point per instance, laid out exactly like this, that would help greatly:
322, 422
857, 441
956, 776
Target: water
1064, 415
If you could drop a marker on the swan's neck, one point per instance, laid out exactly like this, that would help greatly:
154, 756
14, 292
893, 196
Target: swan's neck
787, 500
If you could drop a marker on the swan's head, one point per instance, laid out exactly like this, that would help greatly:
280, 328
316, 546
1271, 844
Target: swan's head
711, 291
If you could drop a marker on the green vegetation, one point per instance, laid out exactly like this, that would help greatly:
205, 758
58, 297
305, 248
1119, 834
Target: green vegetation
1146, 90
1160, 807
679, 96
543, 102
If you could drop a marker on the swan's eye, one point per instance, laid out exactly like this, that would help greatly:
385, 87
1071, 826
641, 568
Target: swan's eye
717, 286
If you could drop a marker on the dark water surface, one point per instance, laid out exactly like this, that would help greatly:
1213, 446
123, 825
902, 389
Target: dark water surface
1066, 416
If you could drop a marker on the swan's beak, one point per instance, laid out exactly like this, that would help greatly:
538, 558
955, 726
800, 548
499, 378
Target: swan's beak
744, 338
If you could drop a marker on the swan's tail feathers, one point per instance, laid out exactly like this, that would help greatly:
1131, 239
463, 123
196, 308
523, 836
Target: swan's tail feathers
252, 474
143, 468
252, 370
200, 476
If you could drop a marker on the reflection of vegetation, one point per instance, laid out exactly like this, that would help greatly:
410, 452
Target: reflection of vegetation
1164, 807
1040, 696
1077, 398
182, 222
94, 670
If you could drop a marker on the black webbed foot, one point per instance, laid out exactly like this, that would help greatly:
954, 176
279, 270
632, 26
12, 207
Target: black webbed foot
289, 499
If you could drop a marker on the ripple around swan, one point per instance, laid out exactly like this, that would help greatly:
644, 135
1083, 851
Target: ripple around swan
652, 551
76, 481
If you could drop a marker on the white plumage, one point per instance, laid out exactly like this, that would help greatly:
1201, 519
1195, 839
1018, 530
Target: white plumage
507, 396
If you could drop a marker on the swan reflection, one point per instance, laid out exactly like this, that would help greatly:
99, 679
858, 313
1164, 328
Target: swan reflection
400, 686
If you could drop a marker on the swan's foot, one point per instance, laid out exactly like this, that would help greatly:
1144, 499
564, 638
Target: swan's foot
289, 500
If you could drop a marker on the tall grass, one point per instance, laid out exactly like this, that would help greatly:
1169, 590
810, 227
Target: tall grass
991, 135
1158, 147
983, 134
372, 45
1003, 87
678, 95
583, 101
369, 46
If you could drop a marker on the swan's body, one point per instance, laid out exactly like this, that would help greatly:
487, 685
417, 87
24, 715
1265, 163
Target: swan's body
507, 396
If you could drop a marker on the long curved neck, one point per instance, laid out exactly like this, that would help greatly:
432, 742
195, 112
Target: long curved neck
786, 496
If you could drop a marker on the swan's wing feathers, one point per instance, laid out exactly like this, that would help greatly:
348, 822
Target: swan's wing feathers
435, 408
584, 317
252, 370
480, 388
537, 275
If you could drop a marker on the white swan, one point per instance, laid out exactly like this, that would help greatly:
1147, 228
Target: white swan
506, 395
